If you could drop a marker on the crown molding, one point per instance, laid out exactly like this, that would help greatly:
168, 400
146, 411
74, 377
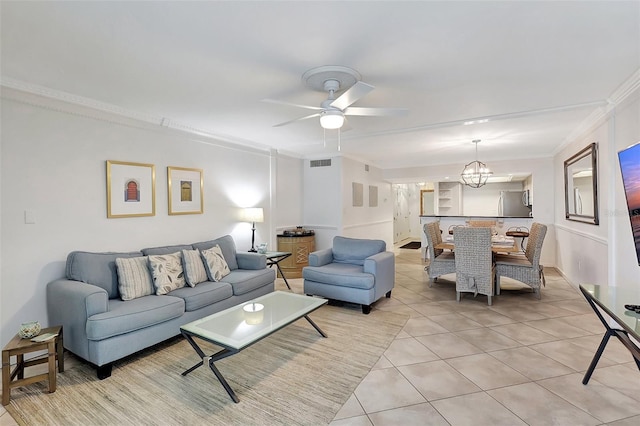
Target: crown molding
627, 89
69, 103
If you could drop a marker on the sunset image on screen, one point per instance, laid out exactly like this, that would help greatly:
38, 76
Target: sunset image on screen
630, 166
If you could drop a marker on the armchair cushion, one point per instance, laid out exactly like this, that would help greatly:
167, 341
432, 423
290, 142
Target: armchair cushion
340, 274
354, 251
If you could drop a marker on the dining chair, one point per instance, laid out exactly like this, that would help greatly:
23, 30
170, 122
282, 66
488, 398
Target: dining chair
484, 224
475, 272
526, 269
441, 262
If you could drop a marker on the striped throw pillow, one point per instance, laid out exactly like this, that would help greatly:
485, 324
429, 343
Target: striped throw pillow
134, 279
194, 271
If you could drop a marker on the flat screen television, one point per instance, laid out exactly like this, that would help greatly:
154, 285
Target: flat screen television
630, 167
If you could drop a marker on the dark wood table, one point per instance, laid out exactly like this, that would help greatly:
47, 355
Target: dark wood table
612, 300
518, 233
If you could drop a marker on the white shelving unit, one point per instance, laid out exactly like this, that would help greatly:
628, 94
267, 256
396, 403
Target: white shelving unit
449, 198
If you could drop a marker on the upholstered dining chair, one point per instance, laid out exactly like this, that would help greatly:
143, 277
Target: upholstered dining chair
526, 269
475, 272
441, 262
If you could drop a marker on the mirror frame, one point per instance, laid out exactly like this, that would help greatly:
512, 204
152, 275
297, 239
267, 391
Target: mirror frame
422, 191
590, 151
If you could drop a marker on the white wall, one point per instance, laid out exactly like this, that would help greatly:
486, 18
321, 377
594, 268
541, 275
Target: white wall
53, 163
483, 201
287, 198
602, 254
366, 221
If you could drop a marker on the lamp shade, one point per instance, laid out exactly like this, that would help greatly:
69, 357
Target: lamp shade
332, 119
253, 214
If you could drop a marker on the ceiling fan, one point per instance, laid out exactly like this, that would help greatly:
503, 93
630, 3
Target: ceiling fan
334, 79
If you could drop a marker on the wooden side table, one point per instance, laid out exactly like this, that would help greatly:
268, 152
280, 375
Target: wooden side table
18, 347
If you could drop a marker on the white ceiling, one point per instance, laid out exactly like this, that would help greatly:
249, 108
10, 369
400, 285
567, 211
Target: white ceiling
537, 70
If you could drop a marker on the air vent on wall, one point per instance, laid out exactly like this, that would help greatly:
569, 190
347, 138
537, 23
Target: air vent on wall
321, 163
366, 167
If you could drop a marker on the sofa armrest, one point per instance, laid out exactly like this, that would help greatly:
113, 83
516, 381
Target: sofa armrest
321, 257
69, 304
251, 260
383, 267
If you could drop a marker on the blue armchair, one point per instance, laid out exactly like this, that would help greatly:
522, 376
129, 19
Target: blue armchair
353, 270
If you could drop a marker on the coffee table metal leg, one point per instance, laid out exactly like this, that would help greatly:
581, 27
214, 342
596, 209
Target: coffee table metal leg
282, 275
210, 361
322, 333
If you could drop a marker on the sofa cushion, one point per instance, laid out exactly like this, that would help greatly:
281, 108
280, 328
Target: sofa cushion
355, 250
125, 317
167, 272
205, 294
227, 245
342, 274
134, 278
98, 269
165, 249
194, 272
215, 264
246, 280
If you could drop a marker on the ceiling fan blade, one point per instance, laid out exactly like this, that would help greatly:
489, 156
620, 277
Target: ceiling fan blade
275, 101
297, 119
365, 111
354, 93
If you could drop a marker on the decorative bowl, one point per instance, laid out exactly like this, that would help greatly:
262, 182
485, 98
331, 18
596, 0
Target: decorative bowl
29, 329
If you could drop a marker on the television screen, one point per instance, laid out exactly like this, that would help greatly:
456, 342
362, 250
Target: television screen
630, 167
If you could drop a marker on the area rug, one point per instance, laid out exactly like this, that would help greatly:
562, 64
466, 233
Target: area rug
293, 377
412, 245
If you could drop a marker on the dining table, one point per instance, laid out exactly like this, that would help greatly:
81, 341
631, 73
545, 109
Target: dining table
498, 245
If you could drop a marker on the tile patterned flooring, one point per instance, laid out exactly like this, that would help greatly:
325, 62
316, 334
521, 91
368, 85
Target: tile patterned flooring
518, 362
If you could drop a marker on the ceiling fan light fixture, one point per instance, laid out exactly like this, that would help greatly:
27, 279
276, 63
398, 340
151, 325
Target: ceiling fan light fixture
331, 119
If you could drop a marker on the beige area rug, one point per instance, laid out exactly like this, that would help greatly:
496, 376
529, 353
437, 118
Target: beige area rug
294, 376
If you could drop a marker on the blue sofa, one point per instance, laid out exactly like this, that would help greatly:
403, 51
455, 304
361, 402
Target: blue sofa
353, 270
101, 328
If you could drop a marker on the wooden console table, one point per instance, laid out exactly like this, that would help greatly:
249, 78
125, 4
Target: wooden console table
300, 246
612, 300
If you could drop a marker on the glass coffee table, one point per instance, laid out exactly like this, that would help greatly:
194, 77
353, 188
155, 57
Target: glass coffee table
241, 326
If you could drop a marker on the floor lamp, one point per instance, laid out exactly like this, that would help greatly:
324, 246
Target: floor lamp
253, 215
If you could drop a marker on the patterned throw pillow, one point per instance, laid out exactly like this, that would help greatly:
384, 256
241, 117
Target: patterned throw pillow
167, 272
193, 267
134, 279
217, 267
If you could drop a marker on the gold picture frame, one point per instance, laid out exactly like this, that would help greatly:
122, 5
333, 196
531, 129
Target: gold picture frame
182, 188
131, 189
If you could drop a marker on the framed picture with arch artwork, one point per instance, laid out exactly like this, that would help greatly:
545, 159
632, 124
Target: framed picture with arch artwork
185, 190
131, 189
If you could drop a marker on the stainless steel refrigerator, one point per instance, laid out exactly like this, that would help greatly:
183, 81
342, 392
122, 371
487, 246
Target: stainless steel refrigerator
512, 204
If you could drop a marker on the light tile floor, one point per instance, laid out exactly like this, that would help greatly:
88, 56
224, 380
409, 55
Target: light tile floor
518, 362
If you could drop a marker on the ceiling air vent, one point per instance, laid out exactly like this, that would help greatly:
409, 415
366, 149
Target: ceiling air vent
321, 163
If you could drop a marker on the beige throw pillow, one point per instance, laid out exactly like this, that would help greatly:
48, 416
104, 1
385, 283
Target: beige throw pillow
217, 267
194, 271
167, 272
134, 279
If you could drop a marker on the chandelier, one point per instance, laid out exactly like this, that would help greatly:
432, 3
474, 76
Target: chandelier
476, 173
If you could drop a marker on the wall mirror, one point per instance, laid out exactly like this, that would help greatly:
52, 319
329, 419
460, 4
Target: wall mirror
581, 186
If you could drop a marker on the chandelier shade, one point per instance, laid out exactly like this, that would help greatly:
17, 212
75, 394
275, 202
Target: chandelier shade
476, 173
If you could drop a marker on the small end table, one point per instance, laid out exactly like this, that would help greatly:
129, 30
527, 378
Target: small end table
274, 258
18, 347
519, 232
